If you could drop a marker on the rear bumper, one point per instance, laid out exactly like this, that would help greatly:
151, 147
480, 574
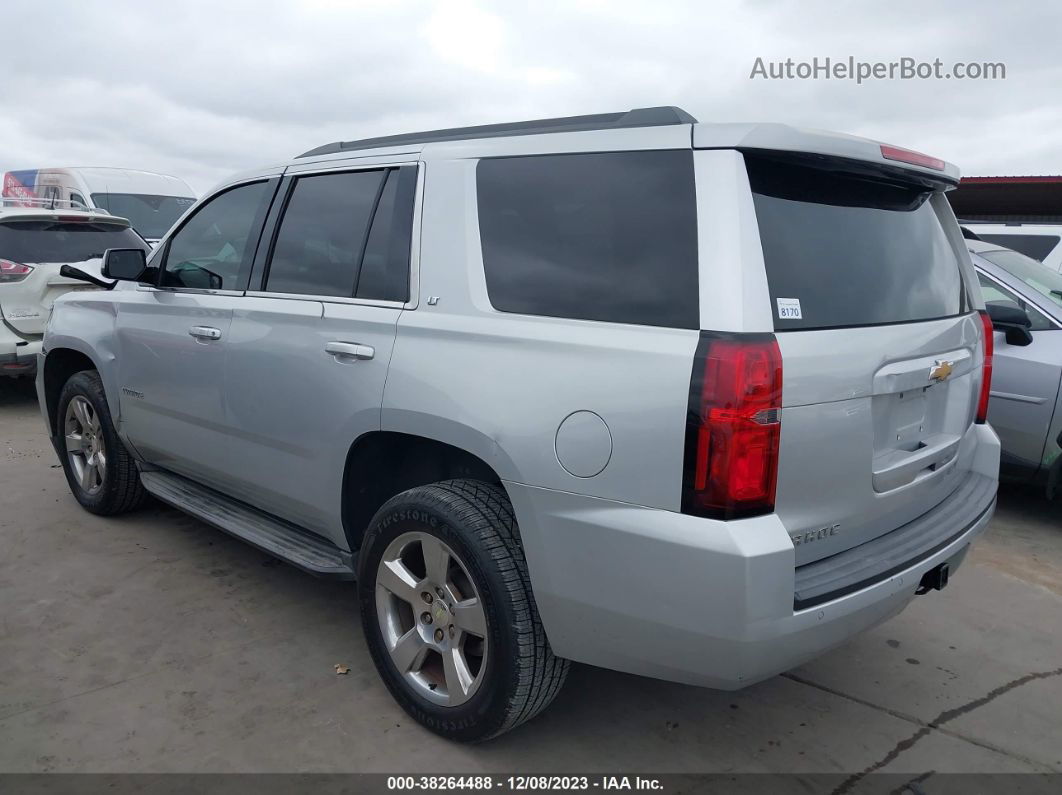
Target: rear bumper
686, 599
18, 356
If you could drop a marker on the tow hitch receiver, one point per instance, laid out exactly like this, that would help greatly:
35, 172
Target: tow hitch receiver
933, 580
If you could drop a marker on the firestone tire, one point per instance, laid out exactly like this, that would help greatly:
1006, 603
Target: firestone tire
518, 675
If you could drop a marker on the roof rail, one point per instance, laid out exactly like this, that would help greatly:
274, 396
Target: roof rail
638, 117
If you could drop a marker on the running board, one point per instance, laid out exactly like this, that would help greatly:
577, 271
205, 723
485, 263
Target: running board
284, 540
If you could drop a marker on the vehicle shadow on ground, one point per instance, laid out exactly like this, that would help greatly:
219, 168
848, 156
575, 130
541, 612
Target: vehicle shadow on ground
17, 392
1028, 503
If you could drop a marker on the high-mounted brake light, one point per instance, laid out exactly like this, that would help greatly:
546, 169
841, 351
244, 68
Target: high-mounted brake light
914, 158
986, 373
733, 427
13, 271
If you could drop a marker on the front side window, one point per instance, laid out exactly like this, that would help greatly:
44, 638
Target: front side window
995, 293
1034, 273
215, 246
604, 236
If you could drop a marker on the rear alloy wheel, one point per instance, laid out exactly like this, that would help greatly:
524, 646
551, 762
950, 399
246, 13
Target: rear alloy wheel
448, 612
432, 618
102, 475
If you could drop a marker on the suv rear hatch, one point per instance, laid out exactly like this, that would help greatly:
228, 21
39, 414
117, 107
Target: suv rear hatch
33, 249
880, 346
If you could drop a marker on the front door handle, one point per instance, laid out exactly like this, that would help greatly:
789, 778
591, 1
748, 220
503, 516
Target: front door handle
202, 333
349, 350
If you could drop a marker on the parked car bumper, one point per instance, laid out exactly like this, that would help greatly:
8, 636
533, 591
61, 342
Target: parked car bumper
18, 356
681, 598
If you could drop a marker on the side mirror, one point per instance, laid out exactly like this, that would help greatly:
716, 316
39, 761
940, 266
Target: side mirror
1012, 321
124, 264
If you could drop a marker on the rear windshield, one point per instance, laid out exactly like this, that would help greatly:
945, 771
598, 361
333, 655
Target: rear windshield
56, 241
1035, 246
151, 216
605, 236
842, 250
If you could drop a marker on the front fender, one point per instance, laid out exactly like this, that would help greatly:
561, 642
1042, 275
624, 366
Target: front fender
86, 324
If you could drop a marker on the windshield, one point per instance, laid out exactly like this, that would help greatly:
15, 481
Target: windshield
1033, 273
58, 241
151, 216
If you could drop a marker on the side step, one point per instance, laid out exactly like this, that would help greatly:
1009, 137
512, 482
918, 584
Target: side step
289, 542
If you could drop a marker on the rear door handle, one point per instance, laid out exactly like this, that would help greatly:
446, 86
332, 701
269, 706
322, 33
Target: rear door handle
349, 350
205, 333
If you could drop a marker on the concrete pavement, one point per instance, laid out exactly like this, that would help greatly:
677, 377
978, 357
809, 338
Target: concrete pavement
154, 643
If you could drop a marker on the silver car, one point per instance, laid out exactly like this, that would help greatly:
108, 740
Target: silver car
1027, 362
692, 401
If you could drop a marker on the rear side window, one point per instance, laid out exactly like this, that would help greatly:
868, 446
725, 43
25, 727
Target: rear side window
345, 235
603, 236
1035, 246
842, 250
57, 241
321, 234
384, 272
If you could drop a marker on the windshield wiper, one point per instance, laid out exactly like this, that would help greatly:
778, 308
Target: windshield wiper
70, 272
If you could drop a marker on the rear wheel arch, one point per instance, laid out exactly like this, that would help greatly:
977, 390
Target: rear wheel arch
381, 464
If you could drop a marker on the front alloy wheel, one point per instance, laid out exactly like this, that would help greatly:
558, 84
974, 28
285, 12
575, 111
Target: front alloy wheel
85, 446
102, 475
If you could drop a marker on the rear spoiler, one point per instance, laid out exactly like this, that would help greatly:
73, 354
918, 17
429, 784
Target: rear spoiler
815, 146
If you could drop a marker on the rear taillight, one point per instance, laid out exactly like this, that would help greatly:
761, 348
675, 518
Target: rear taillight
13, 271
733, 427
986, 375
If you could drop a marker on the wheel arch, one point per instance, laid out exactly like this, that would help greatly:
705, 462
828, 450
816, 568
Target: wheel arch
381, 464
59, 364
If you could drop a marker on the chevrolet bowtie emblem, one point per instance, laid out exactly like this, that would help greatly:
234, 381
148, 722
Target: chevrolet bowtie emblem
940, 370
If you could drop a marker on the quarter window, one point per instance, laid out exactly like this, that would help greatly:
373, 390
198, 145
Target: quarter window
214, 248
605, 236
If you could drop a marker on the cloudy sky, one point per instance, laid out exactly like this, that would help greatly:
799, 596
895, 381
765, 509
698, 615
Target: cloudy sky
203, 89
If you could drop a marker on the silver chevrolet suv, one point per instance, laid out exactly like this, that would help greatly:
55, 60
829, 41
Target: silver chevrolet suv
691, 401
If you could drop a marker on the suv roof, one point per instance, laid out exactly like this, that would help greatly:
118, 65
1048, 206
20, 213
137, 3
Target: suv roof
637, 117
744, 136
